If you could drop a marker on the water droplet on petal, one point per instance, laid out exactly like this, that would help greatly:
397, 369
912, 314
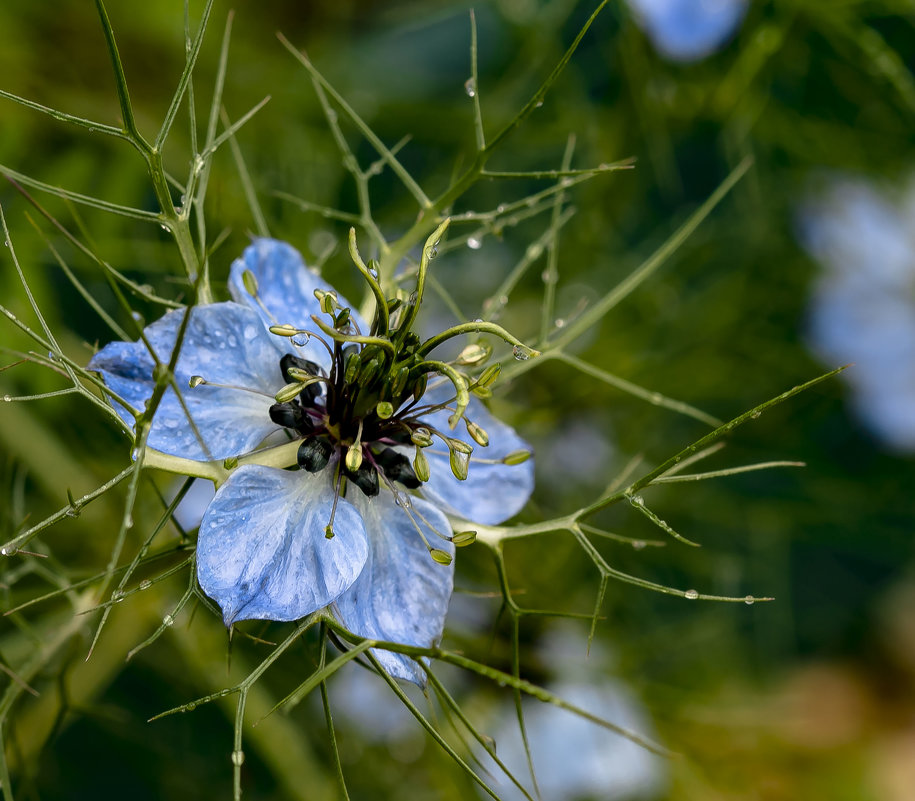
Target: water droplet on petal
691, 594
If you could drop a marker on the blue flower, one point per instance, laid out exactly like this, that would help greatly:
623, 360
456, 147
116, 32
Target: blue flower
351, 522
861, 305
688, 30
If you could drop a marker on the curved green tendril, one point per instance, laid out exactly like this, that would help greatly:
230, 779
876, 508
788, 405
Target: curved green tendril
337, 336
468, 328
381, 302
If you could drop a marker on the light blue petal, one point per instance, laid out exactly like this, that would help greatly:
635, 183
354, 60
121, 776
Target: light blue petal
285, 289
262, 553
402, 594
689, 30
226, 344
491, 493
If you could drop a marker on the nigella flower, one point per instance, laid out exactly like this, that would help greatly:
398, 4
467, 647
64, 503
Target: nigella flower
349, 448
688, 30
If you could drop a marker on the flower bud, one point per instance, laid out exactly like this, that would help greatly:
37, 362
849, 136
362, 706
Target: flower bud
230, 463
481, 392
421, 437
369, 372
421, 465
462, 538
477, 353
440, 556
288, 392
400, 382
460, 462
249, 280
284, 330
384, 409
298, 374
517, 457
477, 434
460, 446
327, 300
489, 375
354, 457
351, 368
342, 319
196, 381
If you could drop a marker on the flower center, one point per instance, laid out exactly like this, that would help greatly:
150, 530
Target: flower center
361, 413
357, 412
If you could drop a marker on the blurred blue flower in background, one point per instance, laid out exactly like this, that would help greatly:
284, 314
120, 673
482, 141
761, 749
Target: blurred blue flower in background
862, 306
688, 30
279, 544
574, 758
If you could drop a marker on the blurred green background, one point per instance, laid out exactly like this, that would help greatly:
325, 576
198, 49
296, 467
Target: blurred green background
811, 696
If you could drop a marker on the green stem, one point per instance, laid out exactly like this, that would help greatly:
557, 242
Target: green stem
468, 328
